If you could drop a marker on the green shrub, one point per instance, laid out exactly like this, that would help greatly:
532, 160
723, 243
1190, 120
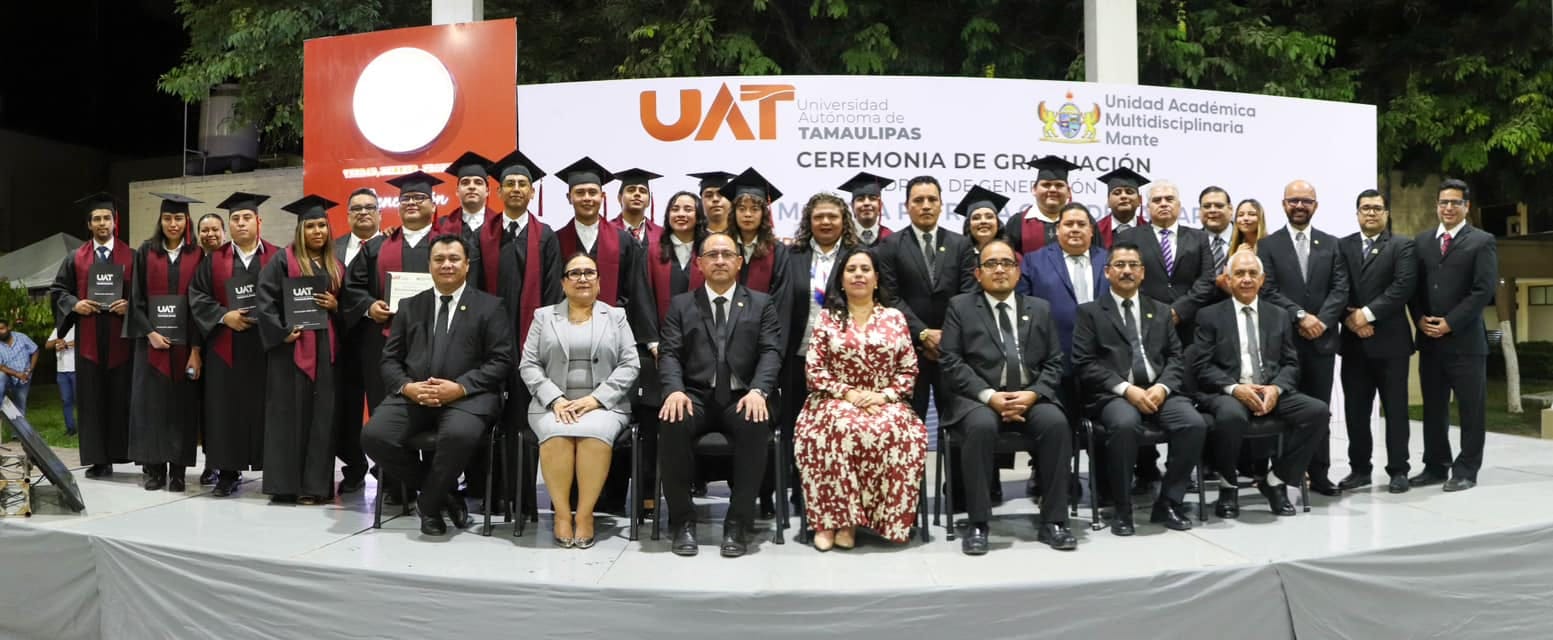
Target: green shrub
1535, 358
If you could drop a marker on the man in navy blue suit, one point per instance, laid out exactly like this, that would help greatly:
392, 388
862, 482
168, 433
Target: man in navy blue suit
1066, 274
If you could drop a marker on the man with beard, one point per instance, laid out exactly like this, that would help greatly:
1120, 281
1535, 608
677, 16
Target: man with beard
1036, 226
868, 207
1123, 200
103, 369
718, 209
635, 204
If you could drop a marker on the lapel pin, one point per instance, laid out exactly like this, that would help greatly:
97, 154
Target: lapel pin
1025, 318
739, 304
1149, 316
940, 249
1374, 252
463, 308
1315, 242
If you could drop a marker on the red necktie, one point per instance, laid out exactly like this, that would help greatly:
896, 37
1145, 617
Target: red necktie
1445, 243
637, 233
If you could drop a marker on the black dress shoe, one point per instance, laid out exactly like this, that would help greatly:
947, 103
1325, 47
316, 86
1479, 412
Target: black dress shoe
283, 499
734, 544
1056, 536
975, 541
1122, 525
209, 477
1323, 486
176, 483
685, 540
1277, 497
458, 511
1458, 483
433, 525
1427, 478
156, 480
351, 484
1398, 483
1354, 480
1228, 505
1166, 515
99, 471
226, 483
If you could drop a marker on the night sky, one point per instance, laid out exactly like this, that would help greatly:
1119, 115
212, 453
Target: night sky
85, 72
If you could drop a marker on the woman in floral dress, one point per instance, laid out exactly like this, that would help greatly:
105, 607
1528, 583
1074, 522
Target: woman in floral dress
860, 449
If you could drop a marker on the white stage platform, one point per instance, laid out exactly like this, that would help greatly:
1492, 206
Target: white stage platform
141, 564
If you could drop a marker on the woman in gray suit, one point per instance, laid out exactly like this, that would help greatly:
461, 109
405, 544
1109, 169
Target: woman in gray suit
580, 364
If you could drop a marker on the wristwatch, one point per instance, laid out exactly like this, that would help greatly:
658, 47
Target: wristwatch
922, 337
1300, 315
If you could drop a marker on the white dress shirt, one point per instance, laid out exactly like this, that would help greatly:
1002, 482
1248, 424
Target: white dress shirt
522, 221
1454, 231
1244, 325
820, 264
247, 257
353, 246
436, 303
587, 235
1137, 321
681, 251
734, 383
863, 233
1013, 317
473, 221
413, 238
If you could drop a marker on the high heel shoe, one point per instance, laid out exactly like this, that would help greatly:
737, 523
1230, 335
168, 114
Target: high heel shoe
564, 542
846, 538
582, 542
824, 540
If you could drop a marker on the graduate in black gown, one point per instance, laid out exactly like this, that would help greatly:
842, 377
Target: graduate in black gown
299, 388
164, 409
235, 363
103, 367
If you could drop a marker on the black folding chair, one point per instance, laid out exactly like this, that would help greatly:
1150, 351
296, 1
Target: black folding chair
716, 444
1009, 442
1151, 438
629, 438
1261, 427
425, 442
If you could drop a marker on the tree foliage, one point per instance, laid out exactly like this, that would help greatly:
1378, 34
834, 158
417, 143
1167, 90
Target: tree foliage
1459, 91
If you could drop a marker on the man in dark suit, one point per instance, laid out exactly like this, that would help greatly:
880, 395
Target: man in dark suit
926, 265
1382, 270
351, 382
1067, 273
1307, 278
1246, 365
1458, 268
718, 360
1177, 257
448, 355
1002, 366
867, 192
1128, 360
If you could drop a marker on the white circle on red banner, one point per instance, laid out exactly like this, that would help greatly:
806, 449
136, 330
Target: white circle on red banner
403, 100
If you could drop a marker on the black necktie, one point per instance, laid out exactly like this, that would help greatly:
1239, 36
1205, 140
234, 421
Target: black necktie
1253, 346
1011, 366
510, 233
930, 256
723, 391
102, 255
439, 334
1140, 371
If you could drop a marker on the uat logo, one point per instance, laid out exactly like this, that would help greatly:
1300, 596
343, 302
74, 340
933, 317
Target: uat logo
705, 125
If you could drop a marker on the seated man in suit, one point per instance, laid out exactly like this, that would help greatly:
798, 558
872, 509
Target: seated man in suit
1002, 365
1127, 358
718, 360
448, 355
1240, 378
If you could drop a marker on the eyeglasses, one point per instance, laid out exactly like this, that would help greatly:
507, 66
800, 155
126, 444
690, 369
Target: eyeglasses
1126, 264
1452, 204
582, 275
1000, 263
414, 198
364, 208
720, 255
1297, 202
1372, 208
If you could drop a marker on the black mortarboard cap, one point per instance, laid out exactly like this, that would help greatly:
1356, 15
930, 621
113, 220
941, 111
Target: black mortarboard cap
469, 165
175, 202
750, 183
712, 179
99, 200
418, 182
240, 201
1123, 177
1052, 168
516, 163
865, 184
977, 198
635, 176
585, 171
310, 207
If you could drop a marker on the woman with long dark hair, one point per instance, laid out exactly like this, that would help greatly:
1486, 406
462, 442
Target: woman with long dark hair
765, 259
859, 446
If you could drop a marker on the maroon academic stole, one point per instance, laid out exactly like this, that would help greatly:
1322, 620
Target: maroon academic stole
760, 272
304, 352
658, 272
118, 348
156, 285
221, 272
1033, 232
608, 257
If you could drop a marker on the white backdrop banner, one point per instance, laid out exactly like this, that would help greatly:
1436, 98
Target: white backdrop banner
811, 133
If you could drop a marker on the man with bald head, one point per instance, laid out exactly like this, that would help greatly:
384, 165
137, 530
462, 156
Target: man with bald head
1307, 277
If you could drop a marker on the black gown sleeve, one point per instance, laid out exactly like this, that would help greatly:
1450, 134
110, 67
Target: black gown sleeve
137, 323
272, 284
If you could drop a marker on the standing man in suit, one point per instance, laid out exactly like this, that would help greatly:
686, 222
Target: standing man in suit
1066, 274
1382, 271
1002, 366
1213, 209
447, 359
1178, 258
1458, 268
1129, 361
1308, 279
719, 362
1124, 201
350, 380
1036, 226
926, 265
868, 207
1246, 365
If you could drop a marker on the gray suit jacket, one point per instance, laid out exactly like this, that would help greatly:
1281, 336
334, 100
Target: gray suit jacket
545, 359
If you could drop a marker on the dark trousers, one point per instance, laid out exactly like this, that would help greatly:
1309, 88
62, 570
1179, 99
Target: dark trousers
1123, 425
1466, 375
1363, 378
676, 443
1306, 426
350, 383
458, 436
1047, 425
1316, 383
795, 392
928, 380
